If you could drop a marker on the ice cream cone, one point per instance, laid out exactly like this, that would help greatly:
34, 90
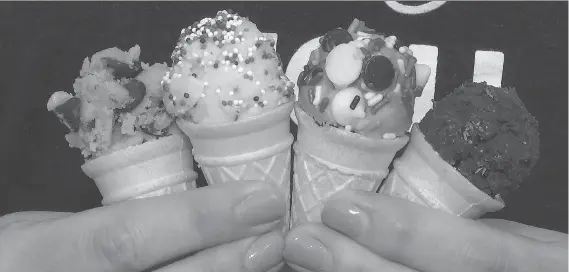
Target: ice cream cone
328, 160
154, 168
423, 177
254, 149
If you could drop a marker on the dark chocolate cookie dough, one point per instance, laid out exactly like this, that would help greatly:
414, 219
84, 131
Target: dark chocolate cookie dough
487, 134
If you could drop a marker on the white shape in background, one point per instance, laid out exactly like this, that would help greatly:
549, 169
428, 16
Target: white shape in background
296, 65
275, 37
488, 66
425, 54
414, 10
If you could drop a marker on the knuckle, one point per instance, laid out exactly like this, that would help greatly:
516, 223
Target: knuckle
118, 245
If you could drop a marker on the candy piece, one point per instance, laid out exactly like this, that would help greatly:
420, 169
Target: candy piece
317, 95
369, 95
374, 109
310, 76
317, 56
334, 38
413, 81
311, 94
355, 102
423, 72
379, 73
344, 64
68, 113
341, 106
137, 90
375, 99
122, 69
324, 104
401, 66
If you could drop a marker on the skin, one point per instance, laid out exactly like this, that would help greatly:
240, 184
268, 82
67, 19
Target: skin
188, 231
364, 231
230, 227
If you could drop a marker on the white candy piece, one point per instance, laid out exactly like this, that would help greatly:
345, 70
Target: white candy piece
344, 64
340, 106
374, 99
369, 95
423, 72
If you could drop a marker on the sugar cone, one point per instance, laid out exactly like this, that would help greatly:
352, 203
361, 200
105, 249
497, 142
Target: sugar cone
254, 149
154, 168
423, 177
328, 160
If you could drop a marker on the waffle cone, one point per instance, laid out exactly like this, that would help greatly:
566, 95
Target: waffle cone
258, 148
154, 168
423, 177
328, 160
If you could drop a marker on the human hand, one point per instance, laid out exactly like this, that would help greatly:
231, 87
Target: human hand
369, 232
226, 228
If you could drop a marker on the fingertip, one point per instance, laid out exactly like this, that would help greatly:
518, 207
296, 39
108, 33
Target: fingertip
306, 247
309, 228
266, 253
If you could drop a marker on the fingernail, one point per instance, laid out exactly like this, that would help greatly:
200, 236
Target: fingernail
308, 253
260, 207
345, 217
265, 253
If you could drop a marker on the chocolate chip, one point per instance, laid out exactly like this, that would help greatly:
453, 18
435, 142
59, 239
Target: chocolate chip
122, 69
69, 113
136, 90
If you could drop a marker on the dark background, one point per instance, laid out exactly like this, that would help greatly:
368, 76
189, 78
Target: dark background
42, 46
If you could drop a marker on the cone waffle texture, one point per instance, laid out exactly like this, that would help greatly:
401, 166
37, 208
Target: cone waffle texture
258, 148
423, 177
159, 167
328, 160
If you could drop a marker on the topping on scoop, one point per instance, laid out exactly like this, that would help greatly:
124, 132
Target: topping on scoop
370, 82
334, 38
111, 109
487, 134
225, 70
